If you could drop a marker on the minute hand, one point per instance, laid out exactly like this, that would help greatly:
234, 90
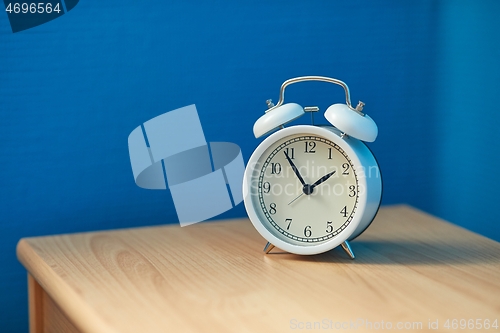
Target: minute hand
322, 179
294, 168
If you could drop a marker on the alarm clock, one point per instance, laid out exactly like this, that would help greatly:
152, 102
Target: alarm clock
310, 188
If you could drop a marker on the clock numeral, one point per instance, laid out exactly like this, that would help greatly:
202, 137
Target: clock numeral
310, 146
344, 211
329, 153
289, 223
272, 208
267, 187
307, 231
352, 191
346, 167
290, 152
329, 227
275, 168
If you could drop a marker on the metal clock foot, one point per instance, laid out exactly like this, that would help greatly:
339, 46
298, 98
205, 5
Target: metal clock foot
268, 248
347, 248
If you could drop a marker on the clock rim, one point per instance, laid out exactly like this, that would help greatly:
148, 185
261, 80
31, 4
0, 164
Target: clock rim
328, 133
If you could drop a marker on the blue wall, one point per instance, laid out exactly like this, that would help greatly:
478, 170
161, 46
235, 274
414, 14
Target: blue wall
71, 91
467, 137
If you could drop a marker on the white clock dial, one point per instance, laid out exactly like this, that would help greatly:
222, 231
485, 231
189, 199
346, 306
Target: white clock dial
308, 189
305, 189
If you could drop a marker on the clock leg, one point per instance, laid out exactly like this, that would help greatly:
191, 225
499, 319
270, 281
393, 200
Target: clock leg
347, 248
268, 247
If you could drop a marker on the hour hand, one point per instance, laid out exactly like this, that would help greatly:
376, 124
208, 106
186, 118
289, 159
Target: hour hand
322, 179
294, 168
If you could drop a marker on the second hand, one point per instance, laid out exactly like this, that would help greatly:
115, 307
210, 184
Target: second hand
296, 198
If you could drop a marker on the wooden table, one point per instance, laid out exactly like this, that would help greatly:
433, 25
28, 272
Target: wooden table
411, 270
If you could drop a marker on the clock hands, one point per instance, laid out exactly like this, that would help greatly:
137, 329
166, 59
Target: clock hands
306, 188
294, 168
297, 173
301, 194
321, 180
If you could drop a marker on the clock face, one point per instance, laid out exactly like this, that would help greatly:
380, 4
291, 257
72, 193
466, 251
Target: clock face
304, 189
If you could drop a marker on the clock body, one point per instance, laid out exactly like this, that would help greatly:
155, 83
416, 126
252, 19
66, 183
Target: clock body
307, 189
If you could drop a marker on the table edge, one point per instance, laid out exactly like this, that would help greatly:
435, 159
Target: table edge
69, 301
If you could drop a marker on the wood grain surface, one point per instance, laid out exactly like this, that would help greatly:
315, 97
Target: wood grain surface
213, 277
